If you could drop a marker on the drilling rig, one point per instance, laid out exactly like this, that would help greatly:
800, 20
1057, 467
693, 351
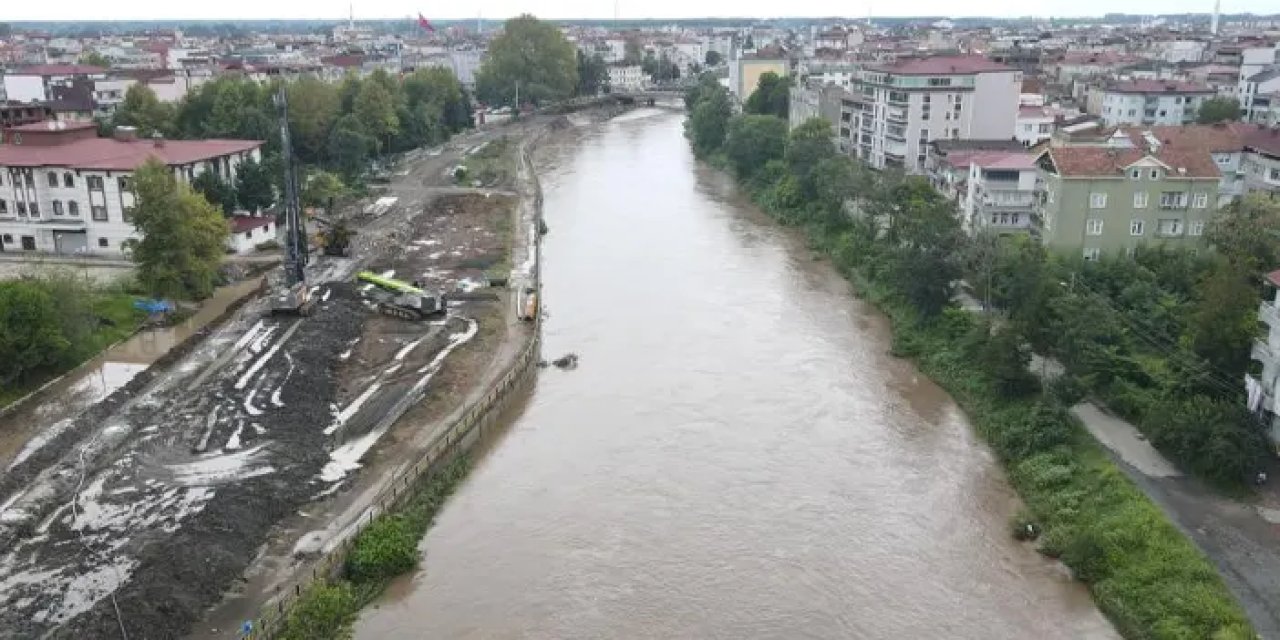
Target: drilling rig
294, 297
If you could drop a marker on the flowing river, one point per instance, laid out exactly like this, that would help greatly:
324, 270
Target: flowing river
737, 455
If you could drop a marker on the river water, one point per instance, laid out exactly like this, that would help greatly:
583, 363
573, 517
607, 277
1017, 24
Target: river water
737, 455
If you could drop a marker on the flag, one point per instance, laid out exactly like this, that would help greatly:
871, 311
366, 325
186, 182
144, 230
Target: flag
422, 22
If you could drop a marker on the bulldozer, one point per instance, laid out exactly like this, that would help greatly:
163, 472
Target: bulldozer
404, 300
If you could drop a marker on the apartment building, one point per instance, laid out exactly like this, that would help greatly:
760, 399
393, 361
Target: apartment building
625, 77
1262, 383
992, 182
65, 190
1260, 165
1260, 90
1107, 199
745, 71
36, 83
910, 102
1153, 102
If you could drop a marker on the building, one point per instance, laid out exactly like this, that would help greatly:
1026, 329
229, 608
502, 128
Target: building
816, 100
745, 72
1262, 383
626, 77
65, 190
1034, 125
998, 191
1260, 165
36, 83
247, 232
913, 101
1258, 91
1153, 102
1109, 199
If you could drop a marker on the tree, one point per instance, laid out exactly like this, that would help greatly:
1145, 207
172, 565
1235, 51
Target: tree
593, 75
30, 337
532, 54
632, 53
807, 146
713, 58
1218, 110
349, 147
753, 140
216, 191
375, 108
313, 108
709, 122
253, 186
183, 236
772, 96
321, 189
1224, 320
94, 59
1247, 232
143, 110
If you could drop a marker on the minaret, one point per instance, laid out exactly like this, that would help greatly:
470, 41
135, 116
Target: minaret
351, 15
1213, 22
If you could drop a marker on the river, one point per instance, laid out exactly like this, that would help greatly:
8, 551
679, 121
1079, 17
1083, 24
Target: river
737, 455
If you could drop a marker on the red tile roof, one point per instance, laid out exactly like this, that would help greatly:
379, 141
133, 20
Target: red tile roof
1226, 137
58, 70
1105, 162
1158, 86
107, 154
241, 224
1008, 160
1264, 140
941, 65
54, 125
1273, 277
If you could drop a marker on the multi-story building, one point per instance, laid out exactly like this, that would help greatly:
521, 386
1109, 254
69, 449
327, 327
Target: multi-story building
626, 77
65, 190
746, 69
37, 83
1108, 199
1259, 89
913, 101
992, 182
1262, 383
1153, 102
815, 100
1260, 166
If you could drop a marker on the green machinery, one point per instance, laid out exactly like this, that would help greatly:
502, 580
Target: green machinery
402, 299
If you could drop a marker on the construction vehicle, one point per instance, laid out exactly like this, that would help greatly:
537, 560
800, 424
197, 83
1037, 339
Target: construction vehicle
401, 299
335, 237
294, 298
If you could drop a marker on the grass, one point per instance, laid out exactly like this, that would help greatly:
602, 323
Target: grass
387, 548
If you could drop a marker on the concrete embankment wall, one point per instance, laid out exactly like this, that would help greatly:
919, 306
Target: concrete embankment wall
468, 427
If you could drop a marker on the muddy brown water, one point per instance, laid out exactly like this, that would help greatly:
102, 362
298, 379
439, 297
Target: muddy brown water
737, 455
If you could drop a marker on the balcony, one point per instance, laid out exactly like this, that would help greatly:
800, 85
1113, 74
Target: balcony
895, 148
1008, 199
898, 114
1262, 353
1270, 314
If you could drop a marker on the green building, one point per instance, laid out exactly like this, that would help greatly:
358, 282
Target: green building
1103, 199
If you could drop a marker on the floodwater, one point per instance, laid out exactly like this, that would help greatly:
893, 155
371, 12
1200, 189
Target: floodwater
30, 425
737, 455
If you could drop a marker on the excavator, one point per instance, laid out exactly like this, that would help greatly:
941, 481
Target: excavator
335, 237
404, 300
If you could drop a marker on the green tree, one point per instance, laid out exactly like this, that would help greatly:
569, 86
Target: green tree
375, 108
321, 189
313, 108
218, 192
713, 58
807, 146
1218, 439
349, 147
593, 75
1218, 110
632, 52
30, 336
94, 59
532, 54
183, 236
254, 189
753, 140
709, 122
772, 96
1224, 320
143, 110
1247, 232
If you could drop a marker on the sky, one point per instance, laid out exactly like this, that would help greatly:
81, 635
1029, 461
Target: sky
595, 9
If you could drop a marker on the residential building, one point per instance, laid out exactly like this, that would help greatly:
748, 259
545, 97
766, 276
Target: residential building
1034, 125
814, 100
1260, 165
247, 232
1153, 102
65, 190
746, 69
1107, 199
1262, 382
626, 77
1258, 91
999, 192
36, 83
912, 101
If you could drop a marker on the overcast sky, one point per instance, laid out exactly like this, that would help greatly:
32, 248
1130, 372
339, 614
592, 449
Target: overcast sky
497, 9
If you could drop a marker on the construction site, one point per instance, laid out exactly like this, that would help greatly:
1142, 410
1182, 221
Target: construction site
190, 490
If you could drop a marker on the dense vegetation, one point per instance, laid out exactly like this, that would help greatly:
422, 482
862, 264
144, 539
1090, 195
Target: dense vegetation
385, 549
183, 236
531, 58
901, 243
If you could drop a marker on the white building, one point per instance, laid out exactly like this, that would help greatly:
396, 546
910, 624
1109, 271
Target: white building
1256, 99
1263, 388
247, 232
626, 77
910, 102
36, 83
65, 190
1153, 102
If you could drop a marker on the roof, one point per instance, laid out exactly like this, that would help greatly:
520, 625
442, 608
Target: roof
1264, 140
108, 154
53, 125
1006, 160
1224, 137
1096, 57
1270, 73
58, 70
1157, 86
1273, 277
949, 146
941, 65
241, 224
1107, 162
1032, 112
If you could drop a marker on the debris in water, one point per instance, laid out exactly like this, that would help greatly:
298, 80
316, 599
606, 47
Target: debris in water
567, 361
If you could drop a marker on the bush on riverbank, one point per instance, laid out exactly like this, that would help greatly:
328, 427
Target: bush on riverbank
902, 248
387, 548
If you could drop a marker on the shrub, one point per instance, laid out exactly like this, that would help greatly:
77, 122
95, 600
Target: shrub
324, 611
386, 548
1023, 431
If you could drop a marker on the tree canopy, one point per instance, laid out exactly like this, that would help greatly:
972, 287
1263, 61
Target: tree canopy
143, 110
1218, 109
254, 190
183, 236
772, 96
535, 56
94, 59
593, 75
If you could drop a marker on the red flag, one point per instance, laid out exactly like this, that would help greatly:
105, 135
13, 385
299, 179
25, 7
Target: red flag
422, 22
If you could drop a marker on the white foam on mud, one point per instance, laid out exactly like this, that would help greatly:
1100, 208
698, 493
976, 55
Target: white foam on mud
248, 336
352, 408
325, 297
248, 404
275, 395
261, 341
467, 285
233, 442
426, 243
257, 428
40, 440
346, 458
257, 366
221, 468
435, 255
408, 348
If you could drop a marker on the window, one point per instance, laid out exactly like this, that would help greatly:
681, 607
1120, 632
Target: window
248, 235
1196, 228
68, 180
4, 207
1155, 174
1136, 227
34, 209
1200, 200
1169, 228
94, 182
8, 239
22, 208
1139, 199
123, 183
1173, 200
1135, 174
128, 214
1093, 226
28, 243
99, 213
1048, 196
57, 207
73, 208
102, 242
53, 179
955, 133
1092, 253
1097, 201
31, 182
